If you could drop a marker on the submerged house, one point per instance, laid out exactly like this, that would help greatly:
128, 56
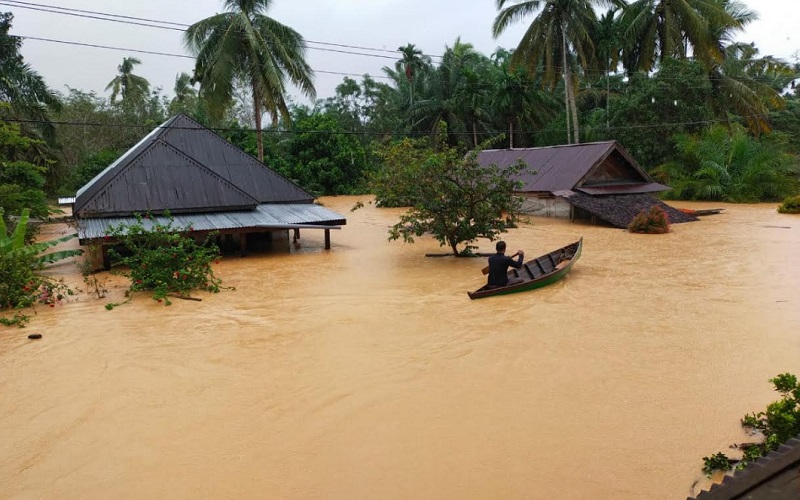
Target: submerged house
203, 182
596, 180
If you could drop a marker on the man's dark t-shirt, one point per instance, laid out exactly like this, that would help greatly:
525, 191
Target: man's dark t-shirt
498, 268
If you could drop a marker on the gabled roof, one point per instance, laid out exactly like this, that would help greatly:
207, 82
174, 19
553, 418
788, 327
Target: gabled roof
773, 477
567, 167
183, 167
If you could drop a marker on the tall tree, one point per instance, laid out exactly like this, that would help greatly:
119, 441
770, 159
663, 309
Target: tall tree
517, 97
245, 43
23, 88
559, 30
660, 29
412, 61
134, 89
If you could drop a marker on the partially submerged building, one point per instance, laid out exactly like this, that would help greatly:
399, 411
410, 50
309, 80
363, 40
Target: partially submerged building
203, 182
596, 180
773, 477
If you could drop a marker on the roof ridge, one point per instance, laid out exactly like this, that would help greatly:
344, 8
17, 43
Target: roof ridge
243, 152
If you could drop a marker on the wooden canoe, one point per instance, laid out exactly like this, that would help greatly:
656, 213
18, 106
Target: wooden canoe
536, 273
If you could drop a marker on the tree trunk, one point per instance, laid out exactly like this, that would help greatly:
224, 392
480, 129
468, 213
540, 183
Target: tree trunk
575, 124
454, 246
565, 72
510, 134
608, 100
474, 133
257, 112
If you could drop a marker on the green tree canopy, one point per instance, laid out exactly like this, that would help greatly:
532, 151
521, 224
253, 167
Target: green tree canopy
453, 198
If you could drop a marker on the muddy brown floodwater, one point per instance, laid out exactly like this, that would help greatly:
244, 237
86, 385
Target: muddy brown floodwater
367, 373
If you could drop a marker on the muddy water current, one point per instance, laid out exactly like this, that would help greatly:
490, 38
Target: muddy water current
365, 372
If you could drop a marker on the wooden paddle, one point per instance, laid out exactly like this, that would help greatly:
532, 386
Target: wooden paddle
485, 270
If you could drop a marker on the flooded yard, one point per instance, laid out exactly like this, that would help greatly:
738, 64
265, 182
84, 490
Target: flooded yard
365, 372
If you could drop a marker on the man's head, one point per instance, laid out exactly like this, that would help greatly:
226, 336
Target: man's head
501, 246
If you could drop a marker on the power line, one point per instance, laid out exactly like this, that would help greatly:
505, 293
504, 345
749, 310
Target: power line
525, 87
181, 27
151, 52
139, 21
377, 133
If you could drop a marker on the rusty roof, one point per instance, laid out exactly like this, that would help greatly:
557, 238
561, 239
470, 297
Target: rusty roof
183, 167
561, 168
774, 477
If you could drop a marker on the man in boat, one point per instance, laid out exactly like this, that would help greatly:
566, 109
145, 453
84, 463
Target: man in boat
499, 264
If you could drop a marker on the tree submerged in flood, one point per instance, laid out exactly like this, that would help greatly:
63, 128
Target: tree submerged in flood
451, 196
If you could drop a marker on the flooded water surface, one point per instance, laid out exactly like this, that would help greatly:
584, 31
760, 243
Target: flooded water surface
366, 372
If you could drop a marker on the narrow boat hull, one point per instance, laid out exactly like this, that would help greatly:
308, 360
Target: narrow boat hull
536, 273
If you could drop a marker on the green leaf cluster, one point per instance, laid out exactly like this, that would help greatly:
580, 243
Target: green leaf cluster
452, 197
790, 205
778, 423
725, 164
163, 258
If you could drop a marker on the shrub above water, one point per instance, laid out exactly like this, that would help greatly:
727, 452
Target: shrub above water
790, 205
653, 221
163, 258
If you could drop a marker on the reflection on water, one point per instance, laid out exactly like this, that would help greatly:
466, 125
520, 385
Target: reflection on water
366, 372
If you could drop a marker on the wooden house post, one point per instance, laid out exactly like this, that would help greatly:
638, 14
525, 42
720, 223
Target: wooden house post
327, 239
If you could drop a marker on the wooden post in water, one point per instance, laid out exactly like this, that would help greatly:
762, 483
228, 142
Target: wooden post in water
327, 239
296, 233
243, 244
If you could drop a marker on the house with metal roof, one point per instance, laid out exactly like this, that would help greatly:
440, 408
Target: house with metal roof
596, 180
202, 181
775, 476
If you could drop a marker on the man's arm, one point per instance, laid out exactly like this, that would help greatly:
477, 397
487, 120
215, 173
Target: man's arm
516, 263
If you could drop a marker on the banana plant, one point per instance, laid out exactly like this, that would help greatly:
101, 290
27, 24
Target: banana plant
15, 243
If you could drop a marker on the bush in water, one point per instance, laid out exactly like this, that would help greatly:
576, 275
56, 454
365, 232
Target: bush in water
653, 221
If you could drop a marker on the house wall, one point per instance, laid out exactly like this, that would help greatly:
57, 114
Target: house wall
545, 205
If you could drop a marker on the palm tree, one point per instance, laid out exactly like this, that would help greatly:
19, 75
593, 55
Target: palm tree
412, 61
132, 88
729, 165
608, 43
742, 81
749, 85
245, 43
516, 95
24, 90
183, 87
657, 29
559, 30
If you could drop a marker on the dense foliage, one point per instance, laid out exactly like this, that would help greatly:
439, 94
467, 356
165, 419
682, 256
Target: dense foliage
20, 284
790, 205
163, 259
729, 165
21, 182
653, 221
777, 424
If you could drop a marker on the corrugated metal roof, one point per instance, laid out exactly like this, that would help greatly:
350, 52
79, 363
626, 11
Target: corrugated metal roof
182, 166
558, 167
771, 477
69, 200
263, 215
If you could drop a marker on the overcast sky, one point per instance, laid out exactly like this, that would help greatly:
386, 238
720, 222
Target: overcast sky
382, 24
